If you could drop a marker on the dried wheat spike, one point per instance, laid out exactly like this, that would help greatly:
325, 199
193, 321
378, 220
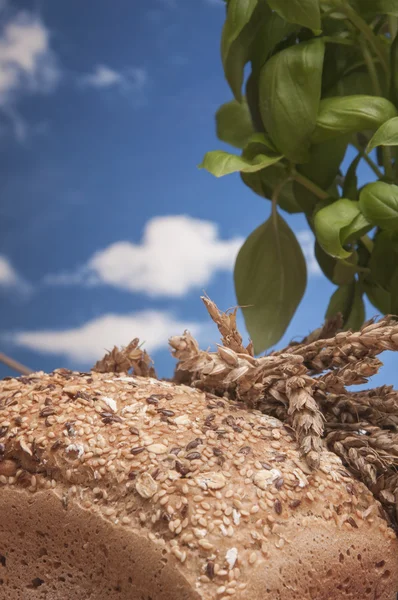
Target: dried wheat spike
226, 323
227, 369
307, 419
364, 454
351, 374
328, 330
386, 490
364, 434
280, 385
347, 347
190, 358
130, 357
378, 406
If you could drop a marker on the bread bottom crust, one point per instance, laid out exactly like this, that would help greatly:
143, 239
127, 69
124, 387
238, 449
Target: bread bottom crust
49, 552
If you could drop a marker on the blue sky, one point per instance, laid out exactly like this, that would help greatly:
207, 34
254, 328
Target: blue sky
108, 229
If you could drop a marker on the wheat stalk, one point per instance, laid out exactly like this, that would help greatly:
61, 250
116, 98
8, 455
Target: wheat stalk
305, 386
132, 357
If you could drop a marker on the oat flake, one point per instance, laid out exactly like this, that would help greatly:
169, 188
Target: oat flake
231, 557
110, 402
212, 481
146, 486
264, 478
303, 481
157, 448
236, 516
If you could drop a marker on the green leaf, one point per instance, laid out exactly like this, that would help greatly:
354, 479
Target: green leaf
220, 163
234, 124
394, 71
394, 294
238, 16
382, 285
339, 272
252, 97
384, 259
355, 230
290, 89
339, 116
371, 8
325, 261
386, 135
345, 269
350, 187
348, 301
379, 203
273, 29
264, 183
322, 169
303, 12
352, 84
384, 6
331, 222
270, 280
256, 145
244, 18
378, 296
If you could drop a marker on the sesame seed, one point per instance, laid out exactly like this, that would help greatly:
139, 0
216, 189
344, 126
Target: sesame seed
205, 545
157, 448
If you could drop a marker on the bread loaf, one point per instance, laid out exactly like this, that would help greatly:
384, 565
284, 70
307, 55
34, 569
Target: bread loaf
118, 487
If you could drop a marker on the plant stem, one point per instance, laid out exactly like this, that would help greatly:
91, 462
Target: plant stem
367, 31
387, 162
336, 40
387, 159
393, 26
368, 243
370, 162
15, 365
275, 197
311, 186
358, 269
371, 68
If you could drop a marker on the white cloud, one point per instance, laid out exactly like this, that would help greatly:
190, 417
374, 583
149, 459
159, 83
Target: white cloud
9, 278
306, 240
27, 63
176, 255
89, 342
103, 77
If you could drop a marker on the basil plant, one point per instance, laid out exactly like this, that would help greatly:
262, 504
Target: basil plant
323, 76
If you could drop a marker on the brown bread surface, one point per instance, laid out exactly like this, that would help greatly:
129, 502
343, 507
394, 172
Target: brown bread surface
119, 487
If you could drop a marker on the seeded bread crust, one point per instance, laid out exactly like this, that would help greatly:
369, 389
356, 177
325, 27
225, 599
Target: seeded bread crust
114, 487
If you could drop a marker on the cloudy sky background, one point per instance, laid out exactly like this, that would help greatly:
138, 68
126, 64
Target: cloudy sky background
108, 229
